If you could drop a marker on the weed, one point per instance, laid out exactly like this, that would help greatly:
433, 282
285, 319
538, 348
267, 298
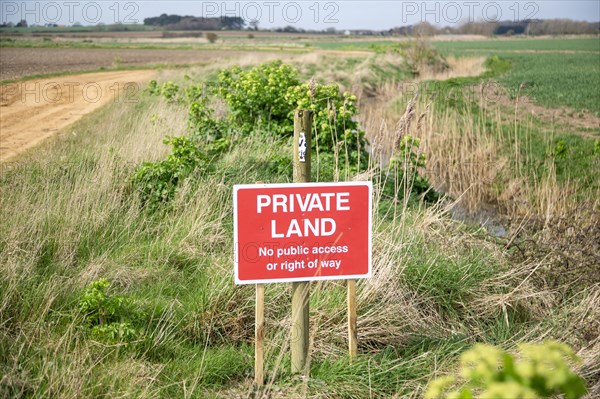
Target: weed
542, 371
106, 314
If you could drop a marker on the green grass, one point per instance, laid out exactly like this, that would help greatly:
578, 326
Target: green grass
554, 44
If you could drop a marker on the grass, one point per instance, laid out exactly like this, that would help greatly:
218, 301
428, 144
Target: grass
520, 44
438, 285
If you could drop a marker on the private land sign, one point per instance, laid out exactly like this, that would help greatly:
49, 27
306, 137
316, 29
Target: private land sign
302, 232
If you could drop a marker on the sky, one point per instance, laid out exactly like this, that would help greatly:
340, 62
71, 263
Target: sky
341, 15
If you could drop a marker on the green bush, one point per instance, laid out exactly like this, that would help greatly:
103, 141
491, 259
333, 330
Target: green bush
264, 99
169, 91
157, 182
541, 371
257, 96
106, 315
268, 95
153, 88
333, 117
202, 122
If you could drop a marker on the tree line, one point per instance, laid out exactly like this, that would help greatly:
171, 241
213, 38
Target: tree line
188, 22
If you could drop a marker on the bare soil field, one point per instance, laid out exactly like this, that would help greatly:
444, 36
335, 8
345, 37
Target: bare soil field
16, 63
34, 110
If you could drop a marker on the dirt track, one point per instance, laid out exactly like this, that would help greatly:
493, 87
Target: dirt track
34, 110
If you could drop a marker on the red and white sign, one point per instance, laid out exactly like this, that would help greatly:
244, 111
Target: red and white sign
302, 232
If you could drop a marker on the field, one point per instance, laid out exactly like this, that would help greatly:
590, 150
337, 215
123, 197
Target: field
18, 62
116, 241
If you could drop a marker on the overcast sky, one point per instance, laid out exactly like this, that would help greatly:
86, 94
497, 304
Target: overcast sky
353, 14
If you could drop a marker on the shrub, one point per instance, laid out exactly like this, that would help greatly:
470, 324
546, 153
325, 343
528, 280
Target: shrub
157, 182
269, 94
193, 93
540, 371
201, 120
257, 96
559, 150
417, 54
169, 91
211, 37
153, 88
333, 114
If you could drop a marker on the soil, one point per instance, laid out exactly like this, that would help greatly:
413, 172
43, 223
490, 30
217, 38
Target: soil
16, 63
34, 110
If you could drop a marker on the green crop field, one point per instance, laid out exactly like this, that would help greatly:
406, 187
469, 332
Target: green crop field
553, 44
556, 80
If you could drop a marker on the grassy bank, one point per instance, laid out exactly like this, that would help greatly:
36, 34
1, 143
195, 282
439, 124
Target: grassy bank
186, 331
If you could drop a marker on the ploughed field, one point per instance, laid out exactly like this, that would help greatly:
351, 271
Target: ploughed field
19, 62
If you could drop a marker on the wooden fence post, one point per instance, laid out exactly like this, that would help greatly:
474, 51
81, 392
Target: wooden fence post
259, 335
352, 333
300, 290
259, 332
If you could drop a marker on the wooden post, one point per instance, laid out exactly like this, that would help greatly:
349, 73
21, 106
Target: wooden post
259, 332
300, 290
352, 333
259, 335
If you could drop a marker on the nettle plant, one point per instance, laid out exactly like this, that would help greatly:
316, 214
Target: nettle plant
540, 371
106, 314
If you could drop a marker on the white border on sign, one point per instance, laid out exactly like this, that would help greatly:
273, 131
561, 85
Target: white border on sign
236, 252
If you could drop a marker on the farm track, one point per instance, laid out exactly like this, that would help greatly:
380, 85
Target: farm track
34, 110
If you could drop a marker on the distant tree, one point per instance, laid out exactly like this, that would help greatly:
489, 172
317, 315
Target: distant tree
254, 25
233, 23
163, 20
22, 24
